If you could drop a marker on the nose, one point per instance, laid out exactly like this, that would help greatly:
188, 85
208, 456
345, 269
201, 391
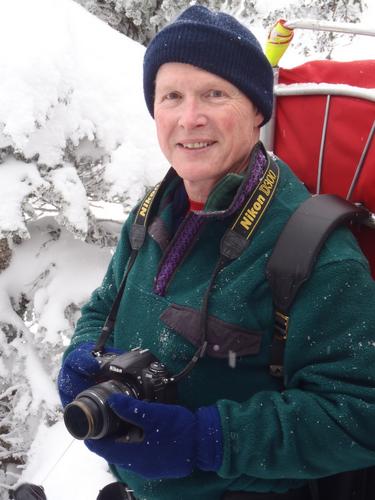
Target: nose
192, 114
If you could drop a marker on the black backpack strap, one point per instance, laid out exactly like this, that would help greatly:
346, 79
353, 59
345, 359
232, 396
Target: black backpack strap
294, 256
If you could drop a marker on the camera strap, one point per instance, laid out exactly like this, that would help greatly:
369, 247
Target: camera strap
137, 238
234, 242
239, 236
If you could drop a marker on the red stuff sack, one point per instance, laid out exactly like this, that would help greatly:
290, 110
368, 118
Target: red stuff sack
298, 134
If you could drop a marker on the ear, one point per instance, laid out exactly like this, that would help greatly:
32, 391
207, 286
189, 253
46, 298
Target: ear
258, 118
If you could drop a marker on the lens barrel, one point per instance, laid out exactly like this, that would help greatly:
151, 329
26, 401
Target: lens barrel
90, 417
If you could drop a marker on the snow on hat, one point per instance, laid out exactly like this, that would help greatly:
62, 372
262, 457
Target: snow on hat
215, 42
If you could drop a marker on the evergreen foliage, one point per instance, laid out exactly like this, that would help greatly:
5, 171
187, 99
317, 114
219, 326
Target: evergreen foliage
140, 20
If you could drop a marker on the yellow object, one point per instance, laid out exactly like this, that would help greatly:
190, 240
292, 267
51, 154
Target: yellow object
278, 41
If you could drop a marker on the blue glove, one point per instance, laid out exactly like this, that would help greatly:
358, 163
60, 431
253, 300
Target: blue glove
77, 372
175, 440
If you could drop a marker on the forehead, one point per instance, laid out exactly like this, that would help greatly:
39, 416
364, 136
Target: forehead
174, 73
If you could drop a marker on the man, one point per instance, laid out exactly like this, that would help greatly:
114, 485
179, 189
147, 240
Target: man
203, 307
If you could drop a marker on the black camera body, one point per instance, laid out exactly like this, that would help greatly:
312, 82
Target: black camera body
137, 373
142, 372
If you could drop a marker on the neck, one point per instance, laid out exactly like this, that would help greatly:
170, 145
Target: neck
198, 192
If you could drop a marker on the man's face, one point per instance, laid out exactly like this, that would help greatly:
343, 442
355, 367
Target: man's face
206, 126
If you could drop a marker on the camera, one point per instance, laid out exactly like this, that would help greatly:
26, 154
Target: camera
137, 373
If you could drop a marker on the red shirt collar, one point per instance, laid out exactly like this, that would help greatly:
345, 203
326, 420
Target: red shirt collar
195, 206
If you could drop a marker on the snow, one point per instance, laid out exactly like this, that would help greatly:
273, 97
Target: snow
69, 79
66, 259
15, 172
66, 76
66, 469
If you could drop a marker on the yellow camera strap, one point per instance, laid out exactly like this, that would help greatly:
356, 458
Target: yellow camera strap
139, 226
137, 238
238, 237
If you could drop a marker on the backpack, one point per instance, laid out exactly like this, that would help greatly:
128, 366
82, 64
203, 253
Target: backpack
287, 269
319, 152
332, 149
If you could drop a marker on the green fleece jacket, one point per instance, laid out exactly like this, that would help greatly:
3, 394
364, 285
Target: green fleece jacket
275, 437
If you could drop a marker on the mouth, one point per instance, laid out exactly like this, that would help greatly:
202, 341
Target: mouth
196, 145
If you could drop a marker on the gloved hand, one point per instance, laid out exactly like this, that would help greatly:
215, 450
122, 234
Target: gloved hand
175, 440
77, 372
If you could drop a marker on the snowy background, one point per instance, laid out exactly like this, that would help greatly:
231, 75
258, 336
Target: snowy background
77, 149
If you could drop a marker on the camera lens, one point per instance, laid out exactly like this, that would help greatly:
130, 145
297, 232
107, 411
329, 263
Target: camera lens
89, 416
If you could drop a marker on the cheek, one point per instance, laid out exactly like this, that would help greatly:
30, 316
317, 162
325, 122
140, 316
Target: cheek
228, 122
235, 121
162, 130
237, 133
246, 129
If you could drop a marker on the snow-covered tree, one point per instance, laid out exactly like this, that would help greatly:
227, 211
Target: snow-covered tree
140, 20
75, 141
77, 149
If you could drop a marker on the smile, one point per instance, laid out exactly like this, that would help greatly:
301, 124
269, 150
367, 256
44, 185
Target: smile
196, 145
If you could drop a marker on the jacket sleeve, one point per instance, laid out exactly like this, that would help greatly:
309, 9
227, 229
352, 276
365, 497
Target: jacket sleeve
96, 310
323, 422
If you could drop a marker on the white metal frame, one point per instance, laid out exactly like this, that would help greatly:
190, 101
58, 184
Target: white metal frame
324, 89
314, 24
298, 89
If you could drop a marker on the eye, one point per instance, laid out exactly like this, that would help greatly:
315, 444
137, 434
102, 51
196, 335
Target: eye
215, 93
171, 96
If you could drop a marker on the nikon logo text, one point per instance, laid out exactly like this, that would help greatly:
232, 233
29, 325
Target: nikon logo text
146, 203
266, 187
252, 213
115, 369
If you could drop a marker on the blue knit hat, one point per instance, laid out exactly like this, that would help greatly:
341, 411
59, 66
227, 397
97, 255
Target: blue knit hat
218, 43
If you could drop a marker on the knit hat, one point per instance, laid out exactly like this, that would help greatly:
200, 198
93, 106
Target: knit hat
215, 42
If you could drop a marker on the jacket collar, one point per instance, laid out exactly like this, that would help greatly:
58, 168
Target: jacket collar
231, 191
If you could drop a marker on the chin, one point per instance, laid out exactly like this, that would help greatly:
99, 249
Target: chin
196, 178
195, 172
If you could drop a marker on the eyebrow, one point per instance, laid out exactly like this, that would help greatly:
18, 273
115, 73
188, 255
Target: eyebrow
211, 85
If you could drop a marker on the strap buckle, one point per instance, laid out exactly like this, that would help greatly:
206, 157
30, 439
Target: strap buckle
281, 325
277, 370
280, 336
